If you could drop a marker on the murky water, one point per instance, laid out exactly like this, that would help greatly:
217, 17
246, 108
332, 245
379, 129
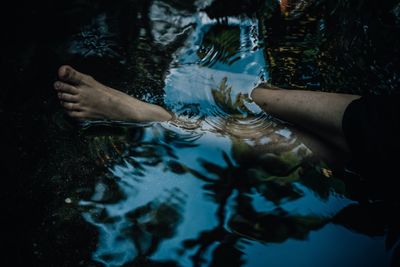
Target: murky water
224, 184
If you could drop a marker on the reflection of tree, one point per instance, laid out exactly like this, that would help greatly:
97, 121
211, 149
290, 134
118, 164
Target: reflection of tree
221, 43
227, 252
114, 144
270, 168
274, 169
278, 225
223, 99
145, 227
155, 221
137, 147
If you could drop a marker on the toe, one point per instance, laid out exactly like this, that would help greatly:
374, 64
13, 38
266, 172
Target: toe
66, 88
70, 75
77, 115
255, 93
70, 106
67, 97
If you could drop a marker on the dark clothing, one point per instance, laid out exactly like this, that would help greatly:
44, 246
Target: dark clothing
371, 128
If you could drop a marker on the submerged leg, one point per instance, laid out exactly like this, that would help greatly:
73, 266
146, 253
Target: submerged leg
319, 112
84, 98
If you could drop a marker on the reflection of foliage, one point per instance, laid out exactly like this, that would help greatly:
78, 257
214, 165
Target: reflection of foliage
272, 168
222, 97
276, 164
274, 184
292, 46
220, 43
276, 226
155, 221
333, 45
227, 252
240, 178
144, 227
126, 145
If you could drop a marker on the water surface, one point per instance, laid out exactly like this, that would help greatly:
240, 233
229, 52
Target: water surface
224, 184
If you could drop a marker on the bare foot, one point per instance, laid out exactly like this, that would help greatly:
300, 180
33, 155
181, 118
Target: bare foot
84, 98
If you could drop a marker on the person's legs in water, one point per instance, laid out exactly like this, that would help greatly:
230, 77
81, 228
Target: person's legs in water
84, 98
318, 112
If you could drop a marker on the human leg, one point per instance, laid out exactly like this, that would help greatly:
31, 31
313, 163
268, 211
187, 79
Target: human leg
319, 112
84, 98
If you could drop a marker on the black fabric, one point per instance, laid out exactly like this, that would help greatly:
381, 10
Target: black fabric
371, 128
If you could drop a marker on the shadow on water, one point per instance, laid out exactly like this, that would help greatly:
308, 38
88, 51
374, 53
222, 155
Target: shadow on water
230, 186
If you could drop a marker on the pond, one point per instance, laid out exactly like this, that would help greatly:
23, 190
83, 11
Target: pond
224, 184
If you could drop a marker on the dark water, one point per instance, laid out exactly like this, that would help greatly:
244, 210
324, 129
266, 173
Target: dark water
226, 184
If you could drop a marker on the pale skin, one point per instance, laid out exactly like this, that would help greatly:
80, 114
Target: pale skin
318, 112
84, 98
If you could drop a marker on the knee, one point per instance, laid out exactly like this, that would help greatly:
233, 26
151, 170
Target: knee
255, 94
259, 91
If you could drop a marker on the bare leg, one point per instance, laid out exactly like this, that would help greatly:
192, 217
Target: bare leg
318, 112
84, 98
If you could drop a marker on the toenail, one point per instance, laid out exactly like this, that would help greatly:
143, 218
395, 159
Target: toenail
67, 71
57, 85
